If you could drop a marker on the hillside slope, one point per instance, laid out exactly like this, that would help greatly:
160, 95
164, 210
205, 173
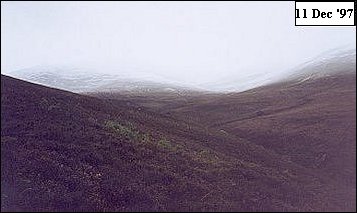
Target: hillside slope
317, 112
63, 151
311, 123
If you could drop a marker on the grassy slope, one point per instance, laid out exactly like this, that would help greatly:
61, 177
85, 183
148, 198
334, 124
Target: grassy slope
63, 151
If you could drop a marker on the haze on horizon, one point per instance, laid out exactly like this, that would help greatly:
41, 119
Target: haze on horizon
193, 42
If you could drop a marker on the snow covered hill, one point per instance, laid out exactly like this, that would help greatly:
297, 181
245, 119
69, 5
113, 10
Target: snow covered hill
86, 80
80, 80
327, 63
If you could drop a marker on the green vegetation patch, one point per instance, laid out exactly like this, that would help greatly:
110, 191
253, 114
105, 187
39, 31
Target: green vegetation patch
129, 131
166, 144
126, 130
207, 156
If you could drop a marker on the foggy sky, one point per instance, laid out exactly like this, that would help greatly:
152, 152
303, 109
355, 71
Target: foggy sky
191, 42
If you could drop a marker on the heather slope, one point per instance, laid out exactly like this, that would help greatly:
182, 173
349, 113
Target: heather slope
63, 151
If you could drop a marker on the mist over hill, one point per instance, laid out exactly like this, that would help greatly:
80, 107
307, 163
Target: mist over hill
89, 80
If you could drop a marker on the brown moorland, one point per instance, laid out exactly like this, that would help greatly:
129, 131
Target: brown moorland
283, 147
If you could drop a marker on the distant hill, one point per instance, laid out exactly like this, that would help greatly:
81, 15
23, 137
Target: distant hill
83, 80
333, 62
330, 62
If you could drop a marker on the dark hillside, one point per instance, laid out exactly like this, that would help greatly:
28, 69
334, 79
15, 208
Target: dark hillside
62, 151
